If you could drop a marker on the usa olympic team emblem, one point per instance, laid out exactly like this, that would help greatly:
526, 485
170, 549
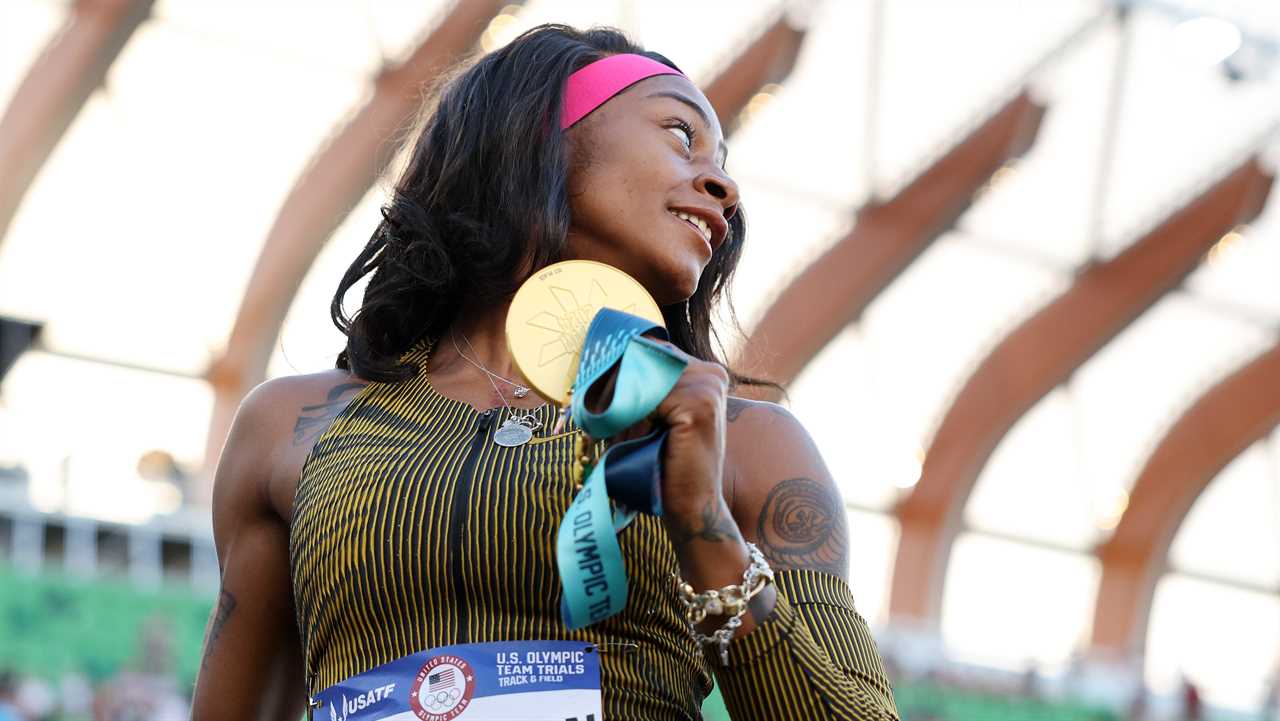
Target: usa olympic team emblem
442, 689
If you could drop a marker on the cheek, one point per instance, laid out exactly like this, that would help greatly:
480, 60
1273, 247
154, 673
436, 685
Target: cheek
619, 198
611, 197
632, 164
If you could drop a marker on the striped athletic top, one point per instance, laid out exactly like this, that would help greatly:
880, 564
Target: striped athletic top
412, 529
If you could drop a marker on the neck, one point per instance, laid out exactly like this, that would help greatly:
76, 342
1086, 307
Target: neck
481, 336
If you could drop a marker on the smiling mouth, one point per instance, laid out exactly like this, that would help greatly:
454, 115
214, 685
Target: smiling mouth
697, 223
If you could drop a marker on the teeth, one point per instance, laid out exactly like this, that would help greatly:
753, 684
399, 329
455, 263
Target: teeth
702, 224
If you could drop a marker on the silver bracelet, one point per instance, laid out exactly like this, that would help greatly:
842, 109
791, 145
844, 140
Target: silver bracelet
729, 601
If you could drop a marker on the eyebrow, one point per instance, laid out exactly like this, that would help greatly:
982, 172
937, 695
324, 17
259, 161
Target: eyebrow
724, 149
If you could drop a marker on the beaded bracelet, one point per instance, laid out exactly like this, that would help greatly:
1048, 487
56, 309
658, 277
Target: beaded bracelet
729, 601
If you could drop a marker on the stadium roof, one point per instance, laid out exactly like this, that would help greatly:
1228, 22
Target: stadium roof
136, 241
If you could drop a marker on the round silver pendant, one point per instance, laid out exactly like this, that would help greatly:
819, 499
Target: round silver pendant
521, 392
512, 433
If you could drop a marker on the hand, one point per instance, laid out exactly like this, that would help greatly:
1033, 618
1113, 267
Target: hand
708, 543
693, 458
695, 514
694, 413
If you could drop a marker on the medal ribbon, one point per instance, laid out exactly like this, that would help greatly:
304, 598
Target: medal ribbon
629, 474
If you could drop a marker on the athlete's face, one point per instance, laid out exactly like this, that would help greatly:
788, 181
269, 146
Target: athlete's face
650, 155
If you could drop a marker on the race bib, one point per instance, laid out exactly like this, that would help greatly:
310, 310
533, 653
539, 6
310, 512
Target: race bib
501, 681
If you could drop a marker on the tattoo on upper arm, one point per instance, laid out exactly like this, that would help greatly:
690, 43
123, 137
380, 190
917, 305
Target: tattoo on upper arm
315, 419
226, 604
802, 525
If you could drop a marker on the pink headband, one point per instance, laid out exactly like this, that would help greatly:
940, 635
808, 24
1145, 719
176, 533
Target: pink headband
590, 87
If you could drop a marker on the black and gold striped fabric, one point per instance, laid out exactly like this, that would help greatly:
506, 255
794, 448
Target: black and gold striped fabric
412, 529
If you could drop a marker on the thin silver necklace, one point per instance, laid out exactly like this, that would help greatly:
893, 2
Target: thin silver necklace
520, 390
517, 430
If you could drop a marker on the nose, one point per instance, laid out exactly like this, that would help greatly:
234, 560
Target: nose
720, 186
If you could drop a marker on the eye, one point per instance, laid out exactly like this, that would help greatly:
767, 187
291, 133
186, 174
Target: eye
682, 130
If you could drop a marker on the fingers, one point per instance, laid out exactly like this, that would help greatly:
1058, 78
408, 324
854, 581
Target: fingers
699, 394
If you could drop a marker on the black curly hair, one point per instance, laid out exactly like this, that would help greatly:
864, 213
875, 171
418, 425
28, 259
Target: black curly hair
483, 203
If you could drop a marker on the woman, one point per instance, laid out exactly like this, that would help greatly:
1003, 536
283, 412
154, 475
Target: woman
364, 513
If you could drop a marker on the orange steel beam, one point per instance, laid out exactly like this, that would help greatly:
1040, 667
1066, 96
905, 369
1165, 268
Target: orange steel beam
1036, 357
1235, 413
337, 178
346, 169
837, 287
769, 59
70, 68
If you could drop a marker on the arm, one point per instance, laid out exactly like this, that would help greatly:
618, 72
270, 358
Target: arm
812, 658
803, 650
252, 665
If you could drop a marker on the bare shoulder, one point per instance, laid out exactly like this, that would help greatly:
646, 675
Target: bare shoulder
286, 416
309, 402
252, 654
751, 428
784, 498
757, 428
735, 407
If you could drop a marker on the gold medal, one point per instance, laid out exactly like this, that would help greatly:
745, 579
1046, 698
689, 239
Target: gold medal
548, 319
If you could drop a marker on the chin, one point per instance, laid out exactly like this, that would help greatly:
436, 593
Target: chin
676, 287
669, 277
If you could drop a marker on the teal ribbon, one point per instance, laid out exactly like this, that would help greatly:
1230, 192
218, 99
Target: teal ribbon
627, 478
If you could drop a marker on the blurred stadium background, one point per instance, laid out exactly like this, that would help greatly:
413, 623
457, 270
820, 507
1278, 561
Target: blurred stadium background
1019, 260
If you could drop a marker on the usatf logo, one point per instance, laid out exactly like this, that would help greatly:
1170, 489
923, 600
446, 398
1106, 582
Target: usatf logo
442, 689
351, 707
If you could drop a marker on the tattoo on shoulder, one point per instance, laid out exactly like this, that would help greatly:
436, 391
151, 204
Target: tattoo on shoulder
314, 419
802, 525
735, 406
226, 604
